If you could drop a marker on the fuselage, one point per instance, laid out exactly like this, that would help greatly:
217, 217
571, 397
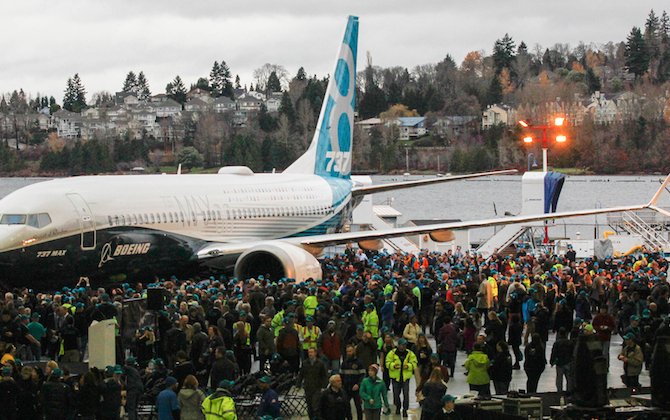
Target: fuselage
131, 226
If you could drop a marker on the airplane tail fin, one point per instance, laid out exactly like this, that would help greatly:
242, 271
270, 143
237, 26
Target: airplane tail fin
329, 153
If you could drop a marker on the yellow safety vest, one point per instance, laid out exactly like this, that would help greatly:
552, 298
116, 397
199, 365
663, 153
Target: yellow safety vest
309, 337
310, 305
220, 408
247, 329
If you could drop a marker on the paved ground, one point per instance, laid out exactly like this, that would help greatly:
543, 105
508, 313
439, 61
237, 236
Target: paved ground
458, 385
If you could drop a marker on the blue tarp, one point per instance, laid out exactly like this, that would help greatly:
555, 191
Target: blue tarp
553, 184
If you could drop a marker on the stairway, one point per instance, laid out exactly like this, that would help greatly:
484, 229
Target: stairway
632, 223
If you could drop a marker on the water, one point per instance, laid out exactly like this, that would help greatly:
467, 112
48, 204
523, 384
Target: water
482, 198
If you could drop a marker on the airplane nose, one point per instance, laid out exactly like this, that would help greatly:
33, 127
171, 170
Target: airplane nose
11, 238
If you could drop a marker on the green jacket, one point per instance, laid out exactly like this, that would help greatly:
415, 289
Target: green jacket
371, 322
393, 365
278, 322
310, 305
373, 390
477, 365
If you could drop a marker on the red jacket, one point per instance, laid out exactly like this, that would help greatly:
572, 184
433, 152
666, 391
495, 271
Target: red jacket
331, 345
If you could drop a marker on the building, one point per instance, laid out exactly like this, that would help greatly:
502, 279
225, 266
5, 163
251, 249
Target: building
67, 124
455, 125
223, 104
273, 102
496, 114
602, 108
411, 127
196, 105
249, 102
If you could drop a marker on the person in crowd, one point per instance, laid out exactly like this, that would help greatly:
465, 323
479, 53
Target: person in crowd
561, 357
270, 405
604, 324
501, 367
190, 399
222, 368
477, 366
167, 404
448, 411
9, 394
534, 363
288, 343
373, 394
110, 393
352, 373
411, 332
27, 403
266, 341
220, 405
313, 377
448, 344
331, 347
401, 363
56, 397
333, 401
433, 390
632, 358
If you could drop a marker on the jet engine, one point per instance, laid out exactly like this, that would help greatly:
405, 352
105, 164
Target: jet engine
279, 260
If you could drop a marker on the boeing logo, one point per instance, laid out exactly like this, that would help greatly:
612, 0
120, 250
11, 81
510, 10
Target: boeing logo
107, 255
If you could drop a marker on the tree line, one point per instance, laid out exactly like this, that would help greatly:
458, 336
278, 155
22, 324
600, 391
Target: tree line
513, 73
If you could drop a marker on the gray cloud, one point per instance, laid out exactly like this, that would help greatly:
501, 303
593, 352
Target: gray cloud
45, 42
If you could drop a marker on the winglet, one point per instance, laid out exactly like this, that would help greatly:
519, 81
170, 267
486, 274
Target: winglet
662, 188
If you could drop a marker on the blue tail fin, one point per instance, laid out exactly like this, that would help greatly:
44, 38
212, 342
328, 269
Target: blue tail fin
329, 154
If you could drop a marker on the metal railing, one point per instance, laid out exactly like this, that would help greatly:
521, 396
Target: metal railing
648, 229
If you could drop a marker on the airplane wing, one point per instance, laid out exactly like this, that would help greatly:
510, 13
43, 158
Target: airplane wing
371, 189
341, 238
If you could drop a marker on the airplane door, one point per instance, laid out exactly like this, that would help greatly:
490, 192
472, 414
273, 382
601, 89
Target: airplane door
86, 222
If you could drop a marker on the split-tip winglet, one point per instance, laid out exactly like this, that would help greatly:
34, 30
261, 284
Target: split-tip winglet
654, 199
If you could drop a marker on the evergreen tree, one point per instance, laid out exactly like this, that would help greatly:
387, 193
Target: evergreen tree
503, 53
266, 122
237, 82
143, 91
636, 54
130, 84
494, 93
53, 106
219, 80
373, 100
75, 95
286, 108
273, 85
652, 35
591, 80
176, 90
301, 74
214, 82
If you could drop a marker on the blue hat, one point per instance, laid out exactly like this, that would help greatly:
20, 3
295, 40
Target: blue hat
309, 319
57, 373
6, 371
170, 380
226, 384
402, 342
448, 398
266, 379
629, 336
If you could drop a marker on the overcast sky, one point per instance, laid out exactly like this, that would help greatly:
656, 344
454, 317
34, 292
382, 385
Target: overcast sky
43, 42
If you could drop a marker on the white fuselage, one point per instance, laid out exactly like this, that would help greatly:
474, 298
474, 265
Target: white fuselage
222, 207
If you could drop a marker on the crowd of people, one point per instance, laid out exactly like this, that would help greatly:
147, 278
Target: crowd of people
362, 332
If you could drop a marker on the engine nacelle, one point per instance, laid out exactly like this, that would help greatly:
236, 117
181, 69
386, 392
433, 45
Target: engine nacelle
279, 260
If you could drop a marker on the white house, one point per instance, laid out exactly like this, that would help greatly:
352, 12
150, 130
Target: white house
411, 127
196, 105
223, 104
273, 102
602, 108
67, 124
249, 102
496, 114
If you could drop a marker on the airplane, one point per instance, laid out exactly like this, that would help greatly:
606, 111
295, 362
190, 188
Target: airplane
125, 228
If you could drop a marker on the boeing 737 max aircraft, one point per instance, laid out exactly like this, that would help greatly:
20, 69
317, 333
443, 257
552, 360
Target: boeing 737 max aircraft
131, 227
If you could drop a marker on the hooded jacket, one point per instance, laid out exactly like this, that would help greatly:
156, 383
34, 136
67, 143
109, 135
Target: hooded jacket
477, 365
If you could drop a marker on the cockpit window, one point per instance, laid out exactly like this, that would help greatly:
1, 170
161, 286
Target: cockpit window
38, 221
13, 219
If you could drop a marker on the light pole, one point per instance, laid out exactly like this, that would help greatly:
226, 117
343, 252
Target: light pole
558, 122
532, 163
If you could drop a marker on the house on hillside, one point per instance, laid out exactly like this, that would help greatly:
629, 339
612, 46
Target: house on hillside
602, 108
166, 108
411, 127
224, 104
196, 105
202, 94
67, 124
369, 124
455, 125
496, 114
249, 102
273, 102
